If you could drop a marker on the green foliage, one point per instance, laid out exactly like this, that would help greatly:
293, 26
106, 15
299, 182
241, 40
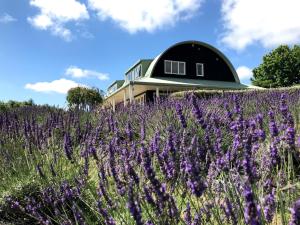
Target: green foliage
280, 68
84, 98
15, 104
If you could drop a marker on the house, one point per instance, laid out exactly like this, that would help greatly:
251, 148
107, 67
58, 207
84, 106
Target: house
184, 66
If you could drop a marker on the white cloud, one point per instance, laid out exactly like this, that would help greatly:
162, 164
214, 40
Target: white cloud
137, 15
77, 72
244, 73
269, 22
54, 14
6, 18
60, 86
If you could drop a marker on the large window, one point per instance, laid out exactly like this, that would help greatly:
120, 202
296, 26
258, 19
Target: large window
134, 74
174, 67
200, 69
112, 88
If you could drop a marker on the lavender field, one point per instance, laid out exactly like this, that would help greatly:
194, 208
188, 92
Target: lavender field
217, 159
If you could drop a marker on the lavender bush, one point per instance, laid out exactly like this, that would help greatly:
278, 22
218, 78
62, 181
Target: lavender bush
231, 158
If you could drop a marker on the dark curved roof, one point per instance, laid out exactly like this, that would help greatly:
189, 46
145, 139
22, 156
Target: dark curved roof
216, 51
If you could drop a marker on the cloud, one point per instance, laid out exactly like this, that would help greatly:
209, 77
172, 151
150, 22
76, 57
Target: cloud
60, 86
148, 15
6, 18
54, 14
269, 22
244, 73
77, 72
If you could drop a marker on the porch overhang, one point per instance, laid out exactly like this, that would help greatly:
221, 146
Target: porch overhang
144, 84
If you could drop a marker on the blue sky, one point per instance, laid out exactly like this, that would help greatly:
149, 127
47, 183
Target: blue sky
48, 46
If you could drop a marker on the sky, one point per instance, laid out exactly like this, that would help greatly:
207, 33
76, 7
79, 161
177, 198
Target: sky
50, 46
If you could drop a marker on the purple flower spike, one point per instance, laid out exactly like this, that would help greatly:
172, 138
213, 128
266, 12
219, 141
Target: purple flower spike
295, 211
283, 105
187, 215
129, 132
229, 212
134, 207
272, 125
251, 212
180, 115
68, 146
108, 219
78, 215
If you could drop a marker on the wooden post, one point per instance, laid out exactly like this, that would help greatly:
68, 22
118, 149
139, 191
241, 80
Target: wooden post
114, 104
124, 97
131, 94
157, 93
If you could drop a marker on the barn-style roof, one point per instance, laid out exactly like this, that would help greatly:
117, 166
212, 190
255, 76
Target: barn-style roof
219, 53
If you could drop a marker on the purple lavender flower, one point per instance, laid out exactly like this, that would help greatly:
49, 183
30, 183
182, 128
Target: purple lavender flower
197, 219
237, 107
298, 142
198, 113
252, 212
260, 132
143, 130
78, 215
134, 207
148, 196
274, 156
180, 115
158, 188
155, 144
68, 146
93, 152
295, 213
112, 163
108, 219
283, 104
290, 136
172, 209
187, 215
129, 132
248, 161
272, 125
269, 206
229, 212
131, 172
192, 171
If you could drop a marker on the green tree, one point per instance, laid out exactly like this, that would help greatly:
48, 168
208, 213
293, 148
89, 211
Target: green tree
84, 98
280, 68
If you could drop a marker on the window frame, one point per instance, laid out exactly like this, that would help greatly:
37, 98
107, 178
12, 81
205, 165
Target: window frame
169, 61
202, 70
184, 70
177, 64
134, 73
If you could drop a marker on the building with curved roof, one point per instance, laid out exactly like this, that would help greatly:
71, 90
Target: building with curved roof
183, 66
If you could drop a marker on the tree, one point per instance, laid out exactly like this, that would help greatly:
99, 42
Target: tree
280, 68
84, 98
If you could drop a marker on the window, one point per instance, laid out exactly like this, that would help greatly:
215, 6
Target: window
134, 73
168, 66
112, 88
200, 69
174, 67
182, 68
